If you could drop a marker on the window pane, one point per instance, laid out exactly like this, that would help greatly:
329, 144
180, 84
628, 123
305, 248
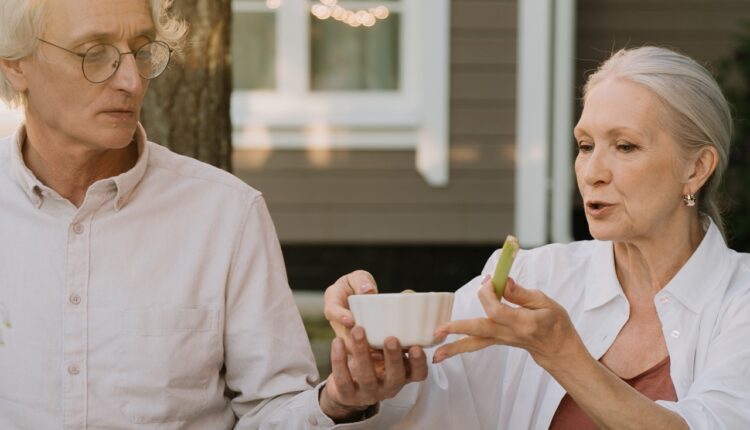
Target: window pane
354, 58
254, 50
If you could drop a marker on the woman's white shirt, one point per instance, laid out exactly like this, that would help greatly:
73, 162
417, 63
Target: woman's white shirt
705, 316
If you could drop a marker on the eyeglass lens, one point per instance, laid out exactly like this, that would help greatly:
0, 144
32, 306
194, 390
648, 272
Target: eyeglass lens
102, 61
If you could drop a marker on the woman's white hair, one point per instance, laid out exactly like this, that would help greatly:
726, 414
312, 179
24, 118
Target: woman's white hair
21, 21
697, 113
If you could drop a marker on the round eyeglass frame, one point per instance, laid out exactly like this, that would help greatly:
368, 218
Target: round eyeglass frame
120, 54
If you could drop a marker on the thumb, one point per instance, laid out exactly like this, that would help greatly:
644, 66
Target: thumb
531, 299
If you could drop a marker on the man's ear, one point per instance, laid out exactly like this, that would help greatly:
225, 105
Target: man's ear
13, 72
702, 167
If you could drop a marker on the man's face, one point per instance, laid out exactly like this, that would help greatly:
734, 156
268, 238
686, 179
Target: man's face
62, 105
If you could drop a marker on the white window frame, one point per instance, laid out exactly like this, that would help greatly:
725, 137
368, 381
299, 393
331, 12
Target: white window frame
414, 117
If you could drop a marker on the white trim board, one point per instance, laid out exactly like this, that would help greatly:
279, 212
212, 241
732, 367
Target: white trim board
293, 116
544, 121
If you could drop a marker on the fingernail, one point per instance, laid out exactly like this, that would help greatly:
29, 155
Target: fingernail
485, 279
366, 288
347, 321
437, 358
440, 333
417, 353
391, 344
357, 333
510, 285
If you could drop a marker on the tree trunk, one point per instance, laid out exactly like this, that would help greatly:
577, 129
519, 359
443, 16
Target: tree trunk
187, 108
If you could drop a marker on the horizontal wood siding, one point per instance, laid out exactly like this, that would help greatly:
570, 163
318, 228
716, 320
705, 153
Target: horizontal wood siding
345, 196
703, 29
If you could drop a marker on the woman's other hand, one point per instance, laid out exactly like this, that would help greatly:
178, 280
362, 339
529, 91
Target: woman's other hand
539, 325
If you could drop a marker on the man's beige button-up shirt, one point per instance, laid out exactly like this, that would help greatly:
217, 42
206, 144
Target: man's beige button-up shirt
160, 303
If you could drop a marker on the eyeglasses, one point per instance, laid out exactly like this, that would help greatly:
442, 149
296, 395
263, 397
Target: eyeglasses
101, 61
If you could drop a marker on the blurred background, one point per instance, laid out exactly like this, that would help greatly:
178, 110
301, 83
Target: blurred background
409, 137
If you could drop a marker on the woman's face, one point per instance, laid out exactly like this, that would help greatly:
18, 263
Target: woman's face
627, 165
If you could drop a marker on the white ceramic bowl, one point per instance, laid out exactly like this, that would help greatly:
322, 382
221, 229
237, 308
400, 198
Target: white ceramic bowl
411, 317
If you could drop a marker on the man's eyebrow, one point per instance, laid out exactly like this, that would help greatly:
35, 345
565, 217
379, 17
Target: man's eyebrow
149, 33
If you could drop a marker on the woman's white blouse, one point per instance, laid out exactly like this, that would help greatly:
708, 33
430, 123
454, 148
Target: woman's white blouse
705, 316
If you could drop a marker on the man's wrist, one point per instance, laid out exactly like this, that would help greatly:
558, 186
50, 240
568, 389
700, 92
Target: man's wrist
339, 412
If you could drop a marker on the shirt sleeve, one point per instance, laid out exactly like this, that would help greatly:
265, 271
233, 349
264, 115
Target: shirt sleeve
267, 354
720, 395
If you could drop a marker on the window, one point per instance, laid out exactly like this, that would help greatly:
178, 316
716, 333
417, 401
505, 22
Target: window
304, 78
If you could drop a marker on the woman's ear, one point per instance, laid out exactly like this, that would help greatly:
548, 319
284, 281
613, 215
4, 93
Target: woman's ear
702, 167
13, 72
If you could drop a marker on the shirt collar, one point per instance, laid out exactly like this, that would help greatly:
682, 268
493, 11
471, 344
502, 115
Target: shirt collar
602, 284
125, 183
704, 273
700, 276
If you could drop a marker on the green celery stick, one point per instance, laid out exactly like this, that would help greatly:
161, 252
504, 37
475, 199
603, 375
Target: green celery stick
507, 255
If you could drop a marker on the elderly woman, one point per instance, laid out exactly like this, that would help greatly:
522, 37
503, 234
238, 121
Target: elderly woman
645, 327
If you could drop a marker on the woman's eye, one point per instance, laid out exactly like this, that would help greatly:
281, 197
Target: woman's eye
585, 147
625, 147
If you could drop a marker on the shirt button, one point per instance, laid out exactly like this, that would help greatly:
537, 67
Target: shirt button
664, 299
75, 299
675, 334
74, 369
78, 228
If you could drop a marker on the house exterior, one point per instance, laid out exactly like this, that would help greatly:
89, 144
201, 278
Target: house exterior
510, 147
413, 143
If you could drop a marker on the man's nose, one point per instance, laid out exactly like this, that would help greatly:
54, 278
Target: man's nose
127, 76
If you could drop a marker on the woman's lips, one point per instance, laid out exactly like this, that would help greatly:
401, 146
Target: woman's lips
599, 209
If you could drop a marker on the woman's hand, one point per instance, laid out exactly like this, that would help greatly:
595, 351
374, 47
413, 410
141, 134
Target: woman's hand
539, 325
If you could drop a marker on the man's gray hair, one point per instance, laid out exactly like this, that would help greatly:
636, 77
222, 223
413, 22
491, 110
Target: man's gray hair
697, 113
21, 22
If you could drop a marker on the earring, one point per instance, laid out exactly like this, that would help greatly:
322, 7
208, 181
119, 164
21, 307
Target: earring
689, 199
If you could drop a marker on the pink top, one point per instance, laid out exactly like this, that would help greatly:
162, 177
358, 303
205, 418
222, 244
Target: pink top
655, 383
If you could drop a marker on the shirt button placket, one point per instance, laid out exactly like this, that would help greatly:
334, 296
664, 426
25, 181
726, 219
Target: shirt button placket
75, 330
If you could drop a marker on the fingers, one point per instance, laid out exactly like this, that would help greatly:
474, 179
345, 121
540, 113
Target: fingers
481, 327
466, 344
530, 299
417, 364
340, 371
395, 372
361, 282
494, 309
362, 370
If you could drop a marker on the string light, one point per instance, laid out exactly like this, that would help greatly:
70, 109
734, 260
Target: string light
331, 9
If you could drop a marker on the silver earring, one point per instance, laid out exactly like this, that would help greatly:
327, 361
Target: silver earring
689, 199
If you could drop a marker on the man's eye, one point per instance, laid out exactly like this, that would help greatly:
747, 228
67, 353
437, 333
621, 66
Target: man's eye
585, 147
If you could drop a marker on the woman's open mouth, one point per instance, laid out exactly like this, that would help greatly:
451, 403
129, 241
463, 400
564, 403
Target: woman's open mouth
598, 209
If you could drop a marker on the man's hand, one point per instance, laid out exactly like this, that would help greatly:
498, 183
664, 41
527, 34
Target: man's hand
360, 381
361, 376
336, 308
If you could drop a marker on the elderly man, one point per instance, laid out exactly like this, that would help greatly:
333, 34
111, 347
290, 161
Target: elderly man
138, 288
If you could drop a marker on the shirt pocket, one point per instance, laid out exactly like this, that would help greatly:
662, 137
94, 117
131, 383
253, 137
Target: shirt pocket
168, 361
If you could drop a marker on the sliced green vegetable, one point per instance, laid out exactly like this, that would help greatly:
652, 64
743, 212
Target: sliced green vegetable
507, 255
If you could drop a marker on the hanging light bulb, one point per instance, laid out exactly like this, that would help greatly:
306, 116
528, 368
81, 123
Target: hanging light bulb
273, 4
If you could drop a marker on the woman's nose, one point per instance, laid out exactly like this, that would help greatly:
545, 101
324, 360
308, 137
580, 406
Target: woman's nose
596, 168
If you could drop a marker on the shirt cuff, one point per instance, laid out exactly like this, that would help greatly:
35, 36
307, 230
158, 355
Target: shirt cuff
318, 420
